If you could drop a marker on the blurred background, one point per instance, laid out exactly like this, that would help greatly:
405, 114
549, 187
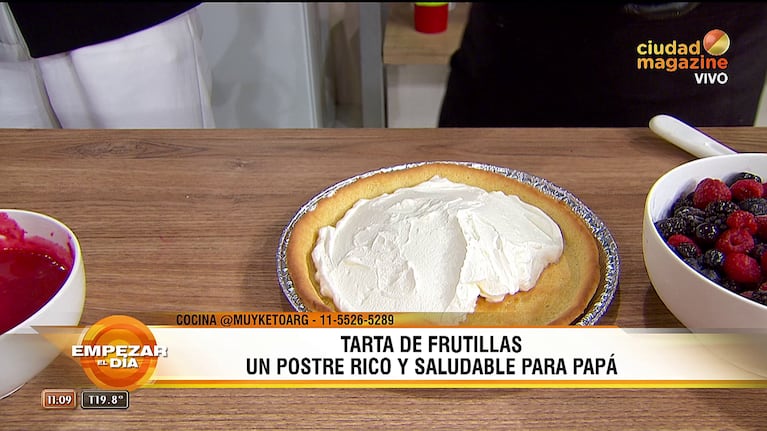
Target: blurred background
326, 64
329, 64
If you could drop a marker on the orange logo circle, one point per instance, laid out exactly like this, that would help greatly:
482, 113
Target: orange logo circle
119, 352
716, 42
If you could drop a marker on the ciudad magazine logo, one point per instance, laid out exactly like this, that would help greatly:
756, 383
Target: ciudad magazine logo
704, 57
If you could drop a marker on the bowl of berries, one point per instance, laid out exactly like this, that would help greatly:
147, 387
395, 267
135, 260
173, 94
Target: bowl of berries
704, 241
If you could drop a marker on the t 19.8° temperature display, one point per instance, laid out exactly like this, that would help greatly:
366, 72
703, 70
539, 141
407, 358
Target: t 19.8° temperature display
105, 399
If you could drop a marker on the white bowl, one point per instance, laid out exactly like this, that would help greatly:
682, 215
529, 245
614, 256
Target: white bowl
23, 352
695, 300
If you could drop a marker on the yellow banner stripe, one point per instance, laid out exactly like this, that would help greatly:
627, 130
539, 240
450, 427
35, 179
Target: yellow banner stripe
477, 384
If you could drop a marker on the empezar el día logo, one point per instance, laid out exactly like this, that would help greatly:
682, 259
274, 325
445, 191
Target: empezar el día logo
674, 56
119, 352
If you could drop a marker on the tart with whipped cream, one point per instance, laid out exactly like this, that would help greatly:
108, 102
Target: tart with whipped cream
445, 238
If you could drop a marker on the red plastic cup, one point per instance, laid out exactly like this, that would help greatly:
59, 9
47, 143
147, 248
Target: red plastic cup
430, 17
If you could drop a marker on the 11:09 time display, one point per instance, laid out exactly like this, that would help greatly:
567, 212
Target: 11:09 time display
59, 400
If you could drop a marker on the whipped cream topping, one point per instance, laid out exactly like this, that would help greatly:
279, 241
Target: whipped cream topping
434, 247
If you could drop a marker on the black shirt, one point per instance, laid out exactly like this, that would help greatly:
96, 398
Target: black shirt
54, 27
592, 64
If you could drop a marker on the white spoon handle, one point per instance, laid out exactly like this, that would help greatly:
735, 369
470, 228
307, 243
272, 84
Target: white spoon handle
687, 137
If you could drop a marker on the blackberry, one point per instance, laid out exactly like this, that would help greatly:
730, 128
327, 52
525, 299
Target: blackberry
688, 250
692, 216
760, 296
719, 222
682, 202
730, 285
707, 232
758, 250
713, 258
743, 176
730, 252
693, 262
671, 226
711, 274
721, 208
756, 206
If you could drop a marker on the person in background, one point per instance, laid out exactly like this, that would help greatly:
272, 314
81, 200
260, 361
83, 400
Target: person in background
103, 65
602, 65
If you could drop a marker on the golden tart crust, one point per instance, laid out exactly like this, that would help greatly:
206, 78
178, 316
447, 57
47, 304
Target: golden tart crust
561, 294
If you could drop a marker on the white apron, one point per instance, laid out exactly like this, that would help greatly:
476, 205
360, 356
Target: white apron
155, 78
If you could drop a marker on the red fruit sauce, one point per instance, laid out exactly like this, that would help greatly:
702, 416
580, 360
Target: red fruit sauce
32, 270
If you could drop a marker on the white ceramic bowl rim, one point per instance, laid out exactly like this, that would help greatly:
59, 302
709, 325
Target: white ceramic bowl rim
74, 246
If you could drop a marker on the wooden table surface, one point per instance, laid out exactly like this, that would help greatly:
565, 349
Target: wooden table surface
189, 220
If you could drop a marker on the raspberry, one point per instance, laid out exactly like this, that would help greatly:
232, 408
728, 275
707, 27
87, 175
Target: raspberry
735, 241
742, 220
746, 189
677, 239
742, 268
710, 190
727, 219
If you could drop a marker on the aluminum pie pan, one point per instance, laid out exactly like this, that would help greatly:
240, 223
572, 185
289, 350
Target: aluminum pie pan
609, 259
